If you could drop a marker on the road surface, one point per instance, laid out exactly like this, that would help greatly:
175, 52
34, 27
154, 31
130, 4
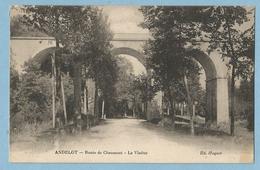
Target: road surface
133, 140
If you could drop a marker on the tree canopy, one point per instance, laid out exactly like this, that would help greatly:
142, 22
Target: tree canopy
173, 27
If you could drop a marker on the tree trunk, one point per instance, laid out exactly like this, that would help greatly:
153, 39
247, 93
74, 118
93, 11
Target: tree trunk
134, 106
77, 87
232, 109
182, 109
58, 70
77, 95
64, 102
85, 106
53, 90
96, 100
168, 109
192, 119
55, 83
145, 109
171, 110
162, 103
103, 109
172, 113
189, 102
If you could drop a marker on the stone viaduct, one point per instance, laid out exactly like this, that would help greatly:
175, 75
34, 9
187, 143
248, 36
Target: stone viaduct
132, 44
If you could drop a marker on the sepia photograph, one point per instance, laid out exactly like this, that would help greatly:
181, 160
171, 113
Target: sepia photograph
131, 84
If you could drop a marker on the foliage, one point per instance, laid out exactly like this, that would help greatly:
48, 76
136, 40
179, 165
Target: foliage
106, 78
84, 35
18, 28
14, 86
225, 32
32, 97
131, 91
124, 79
142, 86
236, 44
101, 65
69, 95
170, 31
171, 28
245, 101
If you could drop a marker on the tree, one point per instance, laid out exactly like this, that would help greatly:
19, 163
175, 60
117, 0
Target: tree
81, 38
105, 78
142, 90
123, 84
171, 28
30, 95
32, 98
125, 78
177, 25
18, 27
56, 21
245, 98
101, 65
14, 87
236, 44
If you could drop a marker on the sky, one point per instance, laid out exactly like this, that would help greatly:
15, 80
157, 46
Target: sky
126, 19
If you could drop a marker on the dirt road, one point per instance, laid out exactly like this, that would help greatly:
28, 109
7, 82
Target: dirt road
133, 140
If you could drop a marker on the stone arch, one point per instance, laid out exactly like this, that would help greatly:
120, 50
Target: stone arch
43, 57
141, 58
28, 47
129, 51
216, 86
206, 63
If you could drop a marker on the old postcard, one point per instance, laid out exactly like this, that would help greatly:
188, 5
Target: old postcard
132, 84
